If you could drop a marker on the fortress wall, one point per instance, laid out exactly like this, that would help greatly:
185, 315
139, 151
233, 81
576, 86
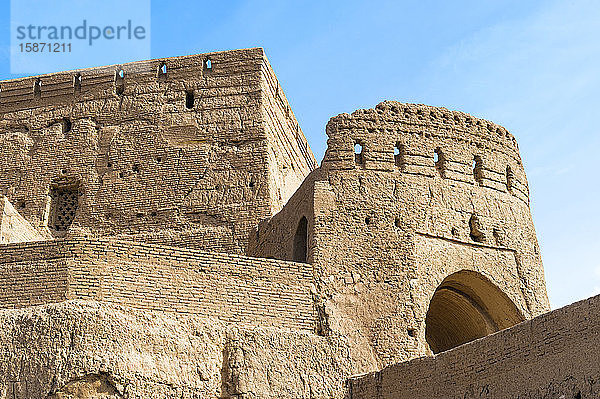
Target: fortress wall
234, 289
274, 237
377, 220
104, 350
147, 167
290, 156
551, 356
384, 201
33, 273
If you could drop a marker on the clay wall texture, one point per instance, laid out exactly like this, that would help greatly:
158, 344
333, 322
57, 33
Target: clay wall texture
146, 164
110, 351
14, 227
184, 175
384, 232
551, 356
232, 288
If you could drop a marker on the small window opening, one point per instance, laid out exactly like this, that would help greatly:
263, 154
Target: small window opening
162, 72
368, 220
476, 232
66, 125
208, 64
64, 203
358, 153
440, 161
301, 241
159, 159
509, 178
37, 88
411, 332
478, 169
399, 155
120, 82
77, 83
189, 99
397, 222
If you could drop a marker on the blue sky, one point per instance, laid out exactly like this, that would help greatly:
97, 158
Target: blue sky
531, 66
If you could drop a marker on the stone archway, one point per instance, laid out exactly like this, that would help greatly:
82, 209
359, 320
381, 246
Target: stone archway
464, 307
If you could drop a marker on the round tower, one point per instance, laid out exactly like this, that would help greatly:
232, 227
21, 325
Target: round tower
418, 228
431, 243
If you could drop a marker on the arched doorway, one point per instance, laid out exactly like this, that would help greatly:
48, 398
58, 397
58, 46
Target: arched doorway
464, 307
301, 241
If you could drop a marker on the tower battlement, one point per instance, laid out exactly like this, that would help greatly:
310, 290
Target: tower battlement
410, 138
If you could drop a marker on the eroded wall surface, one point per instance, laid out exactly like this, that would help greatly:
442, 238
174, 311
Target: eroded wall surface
551, 356
86, 349
164, 151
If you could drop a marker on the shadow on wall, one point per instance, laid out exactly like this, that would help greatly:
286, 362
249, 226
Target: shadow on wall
301, 241
467, 306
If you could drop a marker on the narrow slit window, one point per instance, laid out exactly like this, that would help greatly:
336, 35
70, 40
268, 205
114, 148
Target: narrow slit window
66, 125
478, 169
359, 153
208, 64
37, 88
77, 83
301, 241
439, 161
510, 177
120, 82
162, 72
189, 99
399, 155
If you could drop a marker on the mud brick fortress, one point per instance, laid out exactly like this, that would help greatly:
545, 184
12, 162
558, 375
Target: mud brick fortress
166, 232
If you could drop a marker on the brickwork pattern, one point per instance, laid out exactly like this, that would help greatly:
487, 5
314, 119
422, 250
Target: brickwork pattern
551, 356
232, 288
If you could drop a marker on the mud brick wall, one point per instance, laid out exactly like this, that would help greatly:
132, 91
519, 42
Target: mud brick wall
33, 273
189, 157
290, 158
232, 288
433, 192
551, 356
274, 237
